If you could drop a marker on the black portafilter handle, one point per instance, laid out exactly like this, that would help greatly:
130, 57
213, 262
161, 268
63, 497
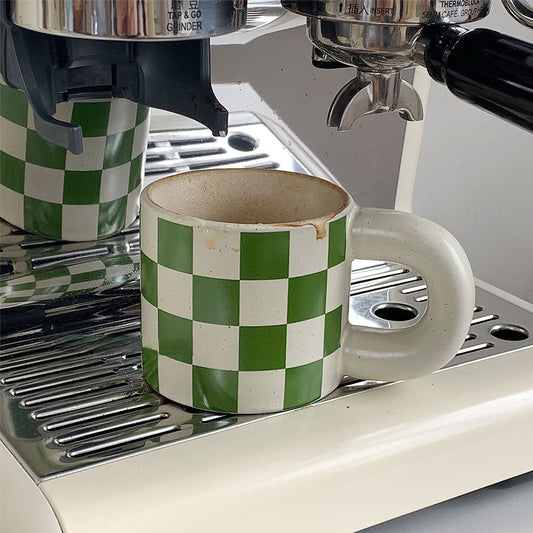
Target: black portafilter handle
486, 68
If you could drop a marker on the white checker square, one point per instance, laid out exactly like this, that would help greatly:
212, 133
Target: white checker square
18, 281
12, 206
115, 182
122, 116
338, 287
140, 138
176, 297
305, 341
216, 253
30, 120
332, 372
42, 297
44, 183
64, 111
132, 206
149, 223
8, 293
78, 220
92, 157
15, 143
90, 266
175, 380
308, 254
215, 346
149, 319
263, 302
84, 286
121, 272
261, 392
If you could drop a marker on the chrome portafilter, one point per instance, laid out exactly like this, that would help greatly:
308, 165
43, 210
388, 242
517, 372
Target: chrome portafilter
380, 52
382, 38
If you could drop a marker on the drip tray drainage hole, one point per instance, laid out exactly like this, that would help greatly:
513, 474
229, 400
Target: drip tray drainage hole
509, 332
395, 312
242, 143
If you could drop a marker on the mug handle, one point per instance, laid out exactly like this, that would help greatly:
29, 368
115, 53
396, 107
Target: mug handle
430, 343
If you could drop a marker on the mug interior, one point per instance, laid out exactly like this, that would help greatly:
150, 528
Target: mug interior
249, 196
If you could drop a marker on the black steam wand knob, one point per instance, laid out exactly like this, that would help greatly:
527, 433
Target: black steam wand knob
486, 68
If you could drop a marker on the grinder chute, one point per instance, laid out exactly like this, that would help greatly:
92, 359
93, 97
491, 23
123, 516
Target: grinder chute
153, 53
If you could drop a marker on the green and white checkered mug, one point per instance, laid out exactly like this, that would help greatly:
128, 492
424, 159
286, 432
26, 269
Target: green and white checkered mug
44, 189
245, 280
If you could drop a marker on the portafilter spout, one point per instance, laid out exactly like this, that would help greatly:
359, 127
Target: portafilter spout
374, 92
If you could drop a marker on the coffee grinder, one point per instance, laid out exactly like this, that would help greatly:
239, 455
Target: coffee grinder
153, 53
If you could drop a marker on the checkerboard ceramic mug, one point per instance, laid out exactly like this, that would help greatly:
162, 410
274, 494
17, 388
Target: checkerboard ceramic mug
245, 279
46, 190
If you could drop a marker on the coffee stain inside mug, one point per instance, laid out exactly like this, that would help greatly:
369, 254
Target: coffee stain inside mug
230, 196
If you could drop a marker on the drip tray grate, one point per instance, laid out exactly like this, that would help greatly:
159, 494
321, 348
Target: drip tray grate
76, 399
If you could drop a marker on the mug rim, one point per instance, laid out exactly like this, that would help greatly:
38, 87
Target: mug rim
318, 221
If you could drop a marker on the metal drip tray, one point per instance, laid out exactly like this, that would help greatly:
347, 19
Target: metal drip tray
249, 144
71, 389
72, 393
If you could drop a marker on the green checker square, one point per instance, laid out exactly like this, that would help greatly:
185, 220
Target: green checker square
112, 216
13, 105
303, 384
12, 172
262, 347
27, 286
175, 336
332, 331
337, 242
215, 301
15, 299
142, 114
149, 279
215, 390
136, 172
93, 117
118, 148
42, 217
53, 273
91, 275
307, 296
265, 255
82, 187
150, 367
42, 153
174, 246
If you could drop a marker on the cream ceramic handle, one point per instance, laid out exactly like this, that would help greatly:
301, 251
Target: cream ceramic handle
384, 354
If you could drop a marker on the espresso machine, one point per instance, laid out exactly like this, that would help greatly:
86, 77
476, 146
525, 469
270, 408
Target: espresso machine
149, 51
86, 445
